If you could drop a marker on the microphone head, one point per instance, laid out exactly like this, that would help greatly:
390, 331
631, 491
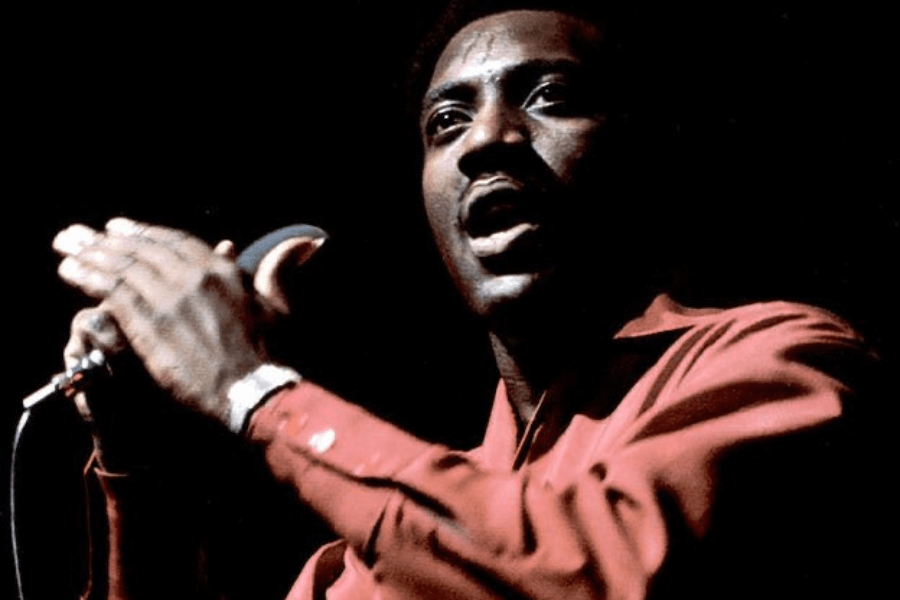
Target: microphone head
249, 260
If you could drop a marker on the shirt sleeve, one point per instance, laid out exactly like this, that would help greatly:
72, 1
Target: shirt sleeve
430, 521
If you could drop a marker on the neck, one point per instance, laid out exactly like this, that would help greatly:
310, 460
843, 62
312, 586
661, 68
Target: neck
522, 372
530, 361
533, 351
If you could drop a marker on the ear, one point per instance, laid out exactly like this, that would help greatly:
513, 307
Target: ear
275, 266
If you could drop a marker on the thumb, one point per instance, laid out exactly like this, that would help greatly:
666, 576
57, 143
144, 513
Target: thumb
272, 273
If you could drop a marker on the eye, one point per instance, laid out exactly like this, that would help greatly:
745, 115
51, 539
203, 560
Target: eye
444, 122
549, 94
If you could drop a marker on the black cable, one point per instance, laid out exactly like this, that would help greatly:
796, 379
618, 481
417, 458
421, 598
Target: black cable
17, 559
75, 378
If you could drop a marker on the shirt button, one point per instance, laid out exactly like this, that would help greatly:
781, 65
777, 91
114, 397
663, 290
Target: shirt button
322, 441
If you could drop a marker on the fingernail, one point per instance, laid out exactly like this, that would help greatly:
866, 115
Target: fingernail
69, 269
74, 239
123, 226
226, 248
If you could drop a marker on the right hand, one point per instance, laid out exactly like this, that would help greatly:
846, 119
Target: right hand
109, 406
93, 329
135, 424
123, 412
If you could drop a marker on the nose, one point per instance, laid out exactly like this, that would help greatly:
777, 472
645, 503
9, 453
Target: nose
497, 135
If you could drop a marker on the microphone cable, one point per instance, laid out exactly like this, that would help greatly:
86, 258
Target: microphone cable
73, 380
16, 552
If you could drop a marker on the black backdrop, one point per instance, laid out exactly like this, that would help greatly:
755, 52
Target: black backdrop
772, 128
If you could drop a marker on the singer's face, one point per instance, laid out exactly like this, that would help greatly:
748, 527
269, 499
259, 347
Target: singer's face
510, 126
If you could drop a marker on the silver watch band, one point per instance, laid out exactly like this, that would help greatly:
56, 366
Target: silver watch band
248, 392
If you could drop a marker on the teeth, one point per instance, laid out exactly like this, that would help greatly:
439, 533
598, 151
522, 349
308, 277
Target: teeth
500, 241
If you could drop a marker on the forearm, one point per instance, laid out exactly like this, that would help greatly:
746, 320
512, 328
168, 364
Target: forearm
153, 543
425, 517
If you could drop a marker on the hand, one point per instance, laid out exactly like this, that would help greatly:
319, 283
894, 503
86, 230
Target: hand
182, 307
120, 411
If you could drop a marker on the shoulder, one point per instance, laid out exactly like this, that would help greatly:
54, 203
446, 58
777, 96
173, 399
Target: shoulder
752, 330
774, 350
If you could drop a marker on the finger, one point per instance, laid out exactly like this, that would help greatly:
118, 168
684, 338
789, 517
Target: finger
94, 282
83, 407
125, 243
153, 269
169, 254
79, 344
270, 279
102, 268
75, 349
175, 239
121, 253
74, 239
92, 263
226, 249
93, 329
105, 258
103, 332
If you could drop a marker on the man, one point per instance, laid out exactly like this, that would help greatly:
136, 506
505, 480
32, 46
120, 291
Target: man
677, 453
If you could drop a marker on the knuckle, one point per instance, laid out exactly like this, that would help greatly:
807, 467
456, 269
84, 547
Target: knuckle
218, 277
80, 320
100, 321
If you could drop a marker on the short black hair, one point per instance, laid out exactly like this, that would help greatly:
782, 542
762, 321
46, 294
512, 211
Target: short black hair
456, 14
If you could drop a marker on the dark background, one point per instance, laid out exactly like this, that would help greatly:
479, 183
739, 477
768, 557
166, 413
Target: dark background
770, 132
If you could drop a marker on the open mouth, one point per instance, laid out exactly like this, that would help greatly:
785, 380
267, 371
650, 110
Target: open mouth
505, 222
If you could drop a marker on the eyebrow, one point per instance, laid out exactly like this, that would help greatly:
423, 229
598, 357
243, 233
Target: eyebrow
464, 89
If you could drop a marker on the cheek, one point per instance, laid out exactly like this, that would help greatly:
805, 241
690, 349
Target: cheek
431, 197
439, 191
569, 149
437, 224
438, 214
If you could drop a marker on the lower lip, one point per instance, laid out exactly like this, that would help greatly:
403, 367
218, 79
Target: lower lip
501, 241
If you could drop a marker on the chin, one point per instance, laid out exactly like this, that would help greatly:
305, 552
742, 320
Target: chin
503, 295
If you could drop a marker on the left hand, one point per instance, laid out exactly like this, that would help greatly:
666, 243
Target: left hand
182, 306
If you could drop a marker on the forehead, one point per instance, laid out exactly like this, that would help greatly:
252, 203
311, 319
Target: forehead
496, 42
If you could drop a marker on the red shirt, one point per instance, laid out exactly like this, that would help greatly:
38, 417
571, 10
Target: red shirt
692, 476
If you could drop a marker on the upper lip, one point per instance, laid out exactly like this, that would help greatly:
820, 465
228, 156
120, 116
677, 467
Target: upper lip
495, 203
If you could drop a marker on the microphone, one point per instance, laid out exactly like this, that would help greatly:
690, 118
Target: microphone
71, 380
262, 262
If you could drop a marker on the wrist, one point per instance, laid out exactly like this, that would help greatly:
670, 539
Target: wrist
251, 391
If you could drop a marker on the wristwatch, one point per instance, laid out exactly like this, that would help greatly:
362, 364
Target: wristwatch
253, 389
